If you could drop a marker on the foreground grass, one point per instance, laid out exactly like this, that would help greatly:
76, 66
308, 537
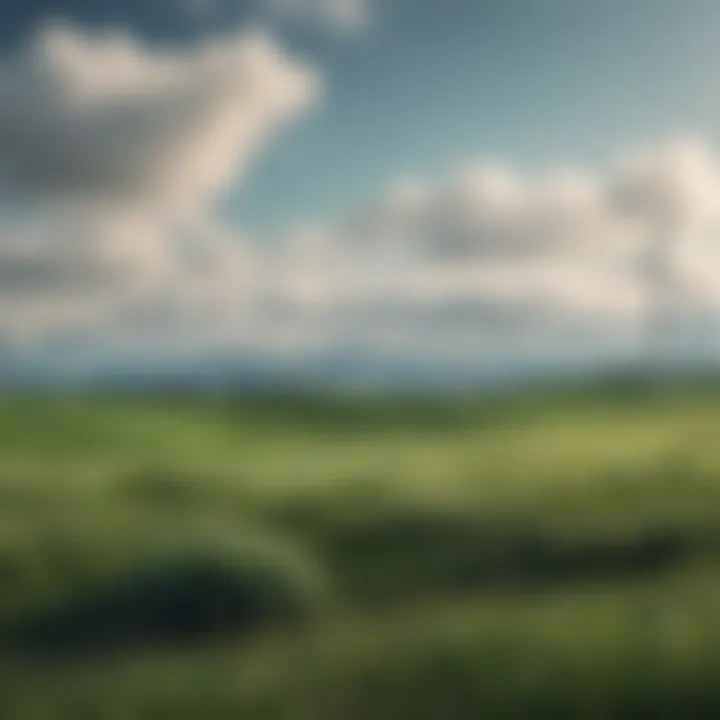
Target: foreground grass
550, 555
649, 650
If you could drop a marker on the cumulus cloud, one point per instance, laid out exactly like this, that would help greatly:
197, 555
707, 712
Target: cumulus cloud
111, 156
491, 260
105, 119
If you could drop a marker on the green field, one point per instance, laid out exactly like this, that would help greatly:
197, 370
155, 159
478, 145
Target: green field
549, 554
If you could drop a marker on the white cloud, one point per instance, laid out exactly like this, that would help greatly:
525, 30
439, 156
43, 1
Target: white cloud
104, 118
673, 184
116, 152
492, 260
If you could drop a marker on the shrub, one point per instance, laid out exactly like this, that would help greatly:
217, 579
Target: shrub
180, 598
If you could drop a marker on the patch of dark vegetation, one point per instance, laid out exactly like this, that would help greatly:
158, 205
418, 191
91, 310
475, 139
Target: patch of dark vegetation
177, 600
401, 555
337, 412
347, 413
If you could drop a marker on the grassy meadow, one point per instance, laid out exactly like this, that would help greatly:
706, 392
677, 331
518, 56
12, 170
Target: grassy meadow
545, 554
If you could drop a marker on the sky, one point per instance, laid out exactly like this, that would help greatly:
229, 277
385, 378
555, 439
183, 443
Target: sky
467, 185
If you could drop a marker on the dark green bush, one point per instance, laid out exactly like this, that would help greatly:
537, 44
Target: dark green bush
179, 598
421, 552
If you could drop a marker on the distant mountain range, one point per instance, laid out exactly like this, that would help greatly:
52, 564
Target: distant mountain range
322, 370
329, 370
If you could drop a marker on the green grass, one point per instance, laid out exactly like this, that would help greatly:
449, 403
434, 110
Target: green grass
546, 554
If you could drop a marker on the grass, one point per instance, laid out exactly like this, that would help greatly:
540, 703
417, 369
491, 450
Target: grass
546, 554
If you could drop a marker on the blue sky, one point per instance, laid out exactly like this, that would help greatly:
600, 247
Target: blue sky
432, 83
535, 82
447, 169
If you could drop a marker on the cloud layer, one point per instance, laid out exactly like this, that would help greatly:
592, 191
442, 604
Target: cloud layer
498, 264
112, 155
